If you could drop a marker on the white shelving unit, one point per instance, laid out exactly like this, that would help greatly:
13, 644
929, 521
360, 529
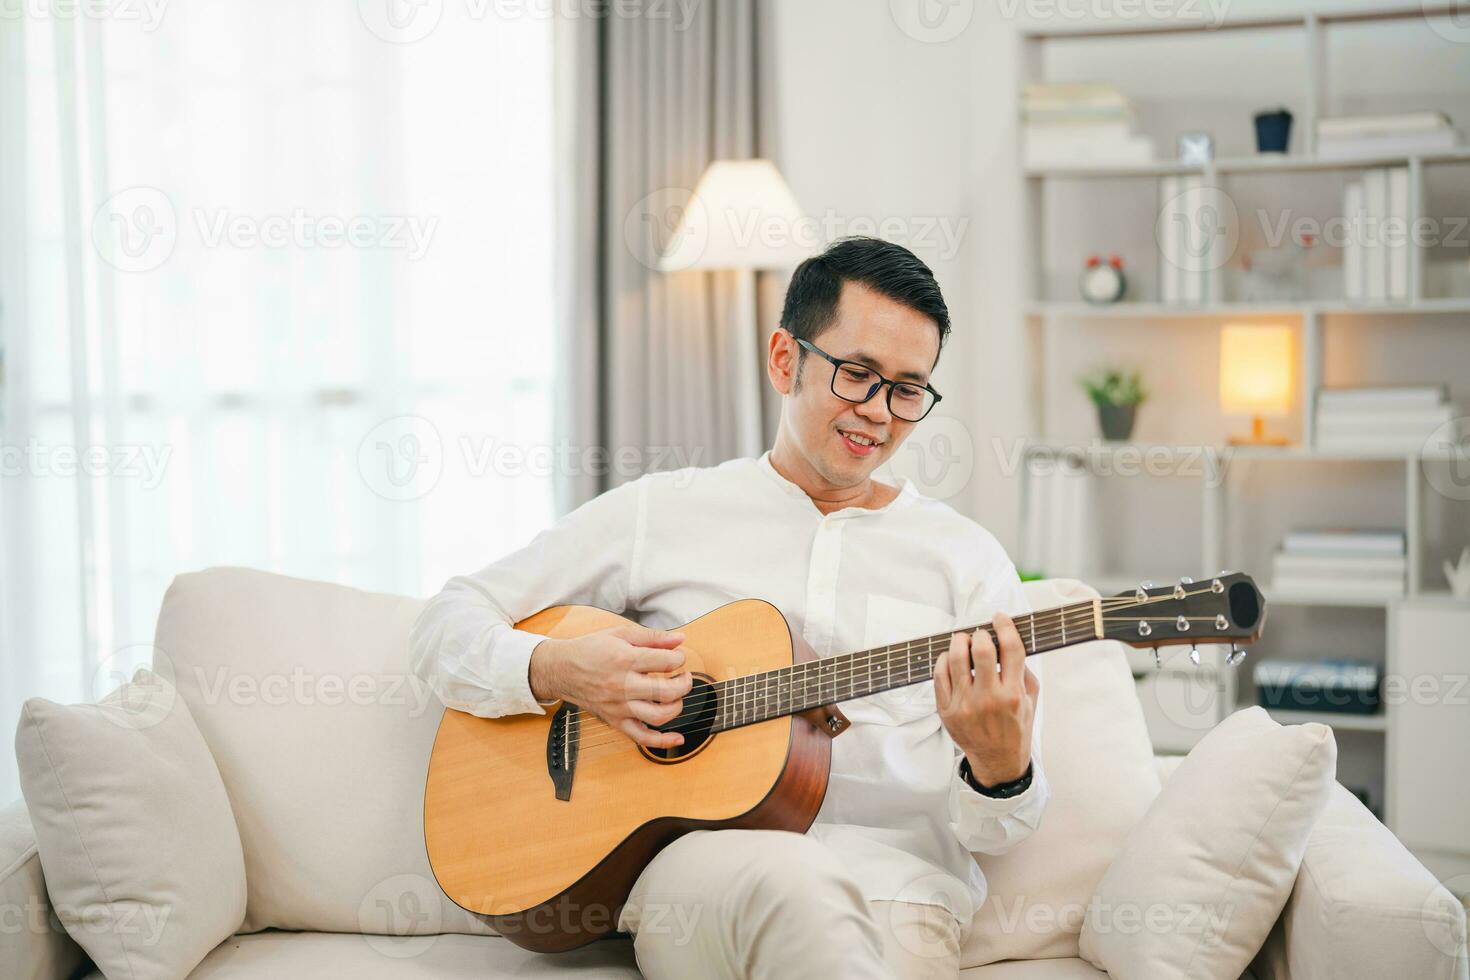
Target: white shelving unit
1049, 318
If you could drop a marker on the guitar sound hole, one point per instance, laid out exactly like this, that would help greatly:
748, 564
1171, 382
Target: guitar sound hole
693, 722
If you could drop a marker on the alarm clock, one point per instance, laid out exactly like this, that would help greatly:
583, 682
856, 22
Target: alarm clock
1103, 282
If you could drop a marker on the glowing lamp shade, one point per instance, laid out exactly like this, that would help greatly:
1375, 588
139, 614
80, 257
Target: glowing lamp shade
1255, 375
741, 216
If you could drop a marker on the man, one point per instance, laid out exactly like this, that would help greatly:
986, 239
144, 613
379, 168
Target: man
883, 884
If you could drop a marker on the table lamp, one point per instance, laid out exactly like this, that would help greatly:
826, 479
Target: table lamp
742, 216
1255, 377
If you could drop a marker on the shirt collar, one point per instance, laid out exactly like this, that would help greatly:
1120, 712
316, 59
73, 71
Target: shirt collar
907, 492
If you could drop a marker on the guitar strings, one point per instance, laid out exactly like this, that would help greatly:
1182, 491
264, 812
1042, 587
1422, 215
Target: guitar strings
919, 653
755, 703
1056, 626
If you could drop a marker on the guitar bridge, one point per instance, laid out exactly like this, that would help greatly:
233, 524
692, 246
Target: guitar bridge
561, 748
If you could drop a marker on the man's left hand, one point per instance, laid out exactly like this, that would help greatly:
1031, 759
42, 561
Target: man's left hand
988, 712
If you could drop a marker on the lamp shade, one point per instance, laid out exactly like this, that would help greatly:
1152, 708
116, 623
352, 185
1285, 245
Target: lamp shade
742, 216
1255, 369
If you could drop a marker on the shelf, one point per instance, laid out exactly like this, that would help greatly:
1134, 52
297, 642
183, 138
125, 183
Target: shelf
1260, 163
1134, 28
1216, 311
1186, 452
1340, 721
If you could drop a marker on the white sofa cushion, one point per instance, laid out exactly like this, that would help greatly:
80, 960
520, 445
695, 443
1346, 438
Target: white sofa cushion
139, 848
1203, 877
322, 735
303, 955
1098, 759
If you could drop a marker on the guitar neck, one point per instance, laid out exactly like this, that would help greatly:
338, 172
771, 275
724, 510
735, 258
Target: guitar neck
814, 683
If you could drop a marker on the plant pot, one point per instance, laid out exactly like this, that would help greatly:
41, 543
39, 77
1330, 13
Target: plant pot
1116, 421
1273, 131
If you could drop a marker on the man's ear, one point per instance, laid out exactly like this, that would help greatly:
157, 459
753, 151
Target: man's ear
781, 359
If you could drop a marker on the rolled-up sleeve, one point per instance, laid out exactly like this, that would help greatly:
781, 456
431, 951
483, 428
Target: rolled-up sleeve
464, 644
982, 823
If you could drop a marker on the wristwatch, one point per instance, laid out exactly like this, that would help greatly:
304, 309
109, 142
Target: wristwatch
1002, 791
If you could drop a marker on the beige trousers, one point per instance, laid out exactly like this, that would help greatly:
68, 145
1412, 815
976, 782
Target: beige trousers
772, 905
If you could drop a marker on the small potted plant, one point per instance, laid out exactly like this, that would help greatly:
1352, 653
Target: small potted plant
1117, 397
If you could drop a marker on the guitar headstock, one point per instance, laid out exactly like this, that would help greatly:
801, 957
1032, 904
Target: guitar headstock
1227, 608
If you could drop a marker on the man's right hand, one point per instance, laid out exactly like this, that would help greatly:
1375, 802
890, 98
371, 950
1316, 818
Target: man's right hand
617, 674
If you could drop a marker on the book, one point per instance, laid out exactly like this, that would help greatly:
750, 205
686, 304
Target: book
1376, 396
1345, 588
1071, 95
1368, 541
1171, 236
1345, 566
1044, 151
1407, 144
1397, 122
1191, 262
1352, 253
1395, 234
1375, 258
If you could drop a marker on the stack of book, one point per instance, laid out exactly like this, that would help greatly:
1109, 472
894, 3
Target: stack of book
1396, 134
1353, 563
1091, 124
1383, 419
1186, 208
1375, 258
1346, 686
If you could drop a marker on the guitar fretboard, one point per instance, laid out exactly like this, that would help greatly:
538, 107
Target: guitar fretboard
800, 687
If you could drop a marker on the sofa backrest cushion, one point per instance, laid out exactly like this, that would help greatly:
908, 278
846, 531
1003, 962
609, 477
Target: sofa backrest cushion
322, 737
1100, 764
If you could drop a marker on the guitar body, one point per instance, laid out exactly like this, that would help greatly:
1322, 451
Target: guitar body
551, 874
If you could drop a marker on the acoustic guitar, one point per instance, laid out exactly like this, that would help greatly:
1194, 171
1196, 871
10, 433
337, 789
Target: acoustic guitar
540, 824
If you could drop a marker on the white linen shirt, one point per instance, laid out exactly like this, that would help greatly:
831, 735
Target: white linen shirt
671, 546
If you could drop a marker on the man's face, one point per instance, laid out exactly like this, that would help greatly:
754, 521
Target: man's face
899, 343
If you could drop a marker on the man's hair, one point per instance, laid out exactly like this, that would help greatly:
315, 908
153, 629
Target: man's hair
885, 268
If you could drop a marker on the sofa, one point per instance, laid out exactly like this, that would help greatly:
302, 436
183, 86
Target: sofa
302, 693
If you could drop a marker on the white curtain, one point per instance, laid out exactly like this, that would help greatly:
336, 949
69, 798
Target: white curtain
275, 290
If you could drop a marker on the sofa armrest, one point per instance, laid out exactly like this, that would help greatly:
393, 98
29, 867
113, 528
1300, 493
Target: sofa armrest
1363, 907
33, 944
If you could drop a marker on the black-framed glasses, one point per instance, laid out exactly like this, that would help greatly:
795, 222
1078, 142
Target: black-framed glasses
855, 382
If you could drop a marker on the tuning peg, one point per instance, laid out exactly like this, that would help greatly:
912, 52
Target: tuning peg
1194, 654
1235, 656
1185, 580
1157, 662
